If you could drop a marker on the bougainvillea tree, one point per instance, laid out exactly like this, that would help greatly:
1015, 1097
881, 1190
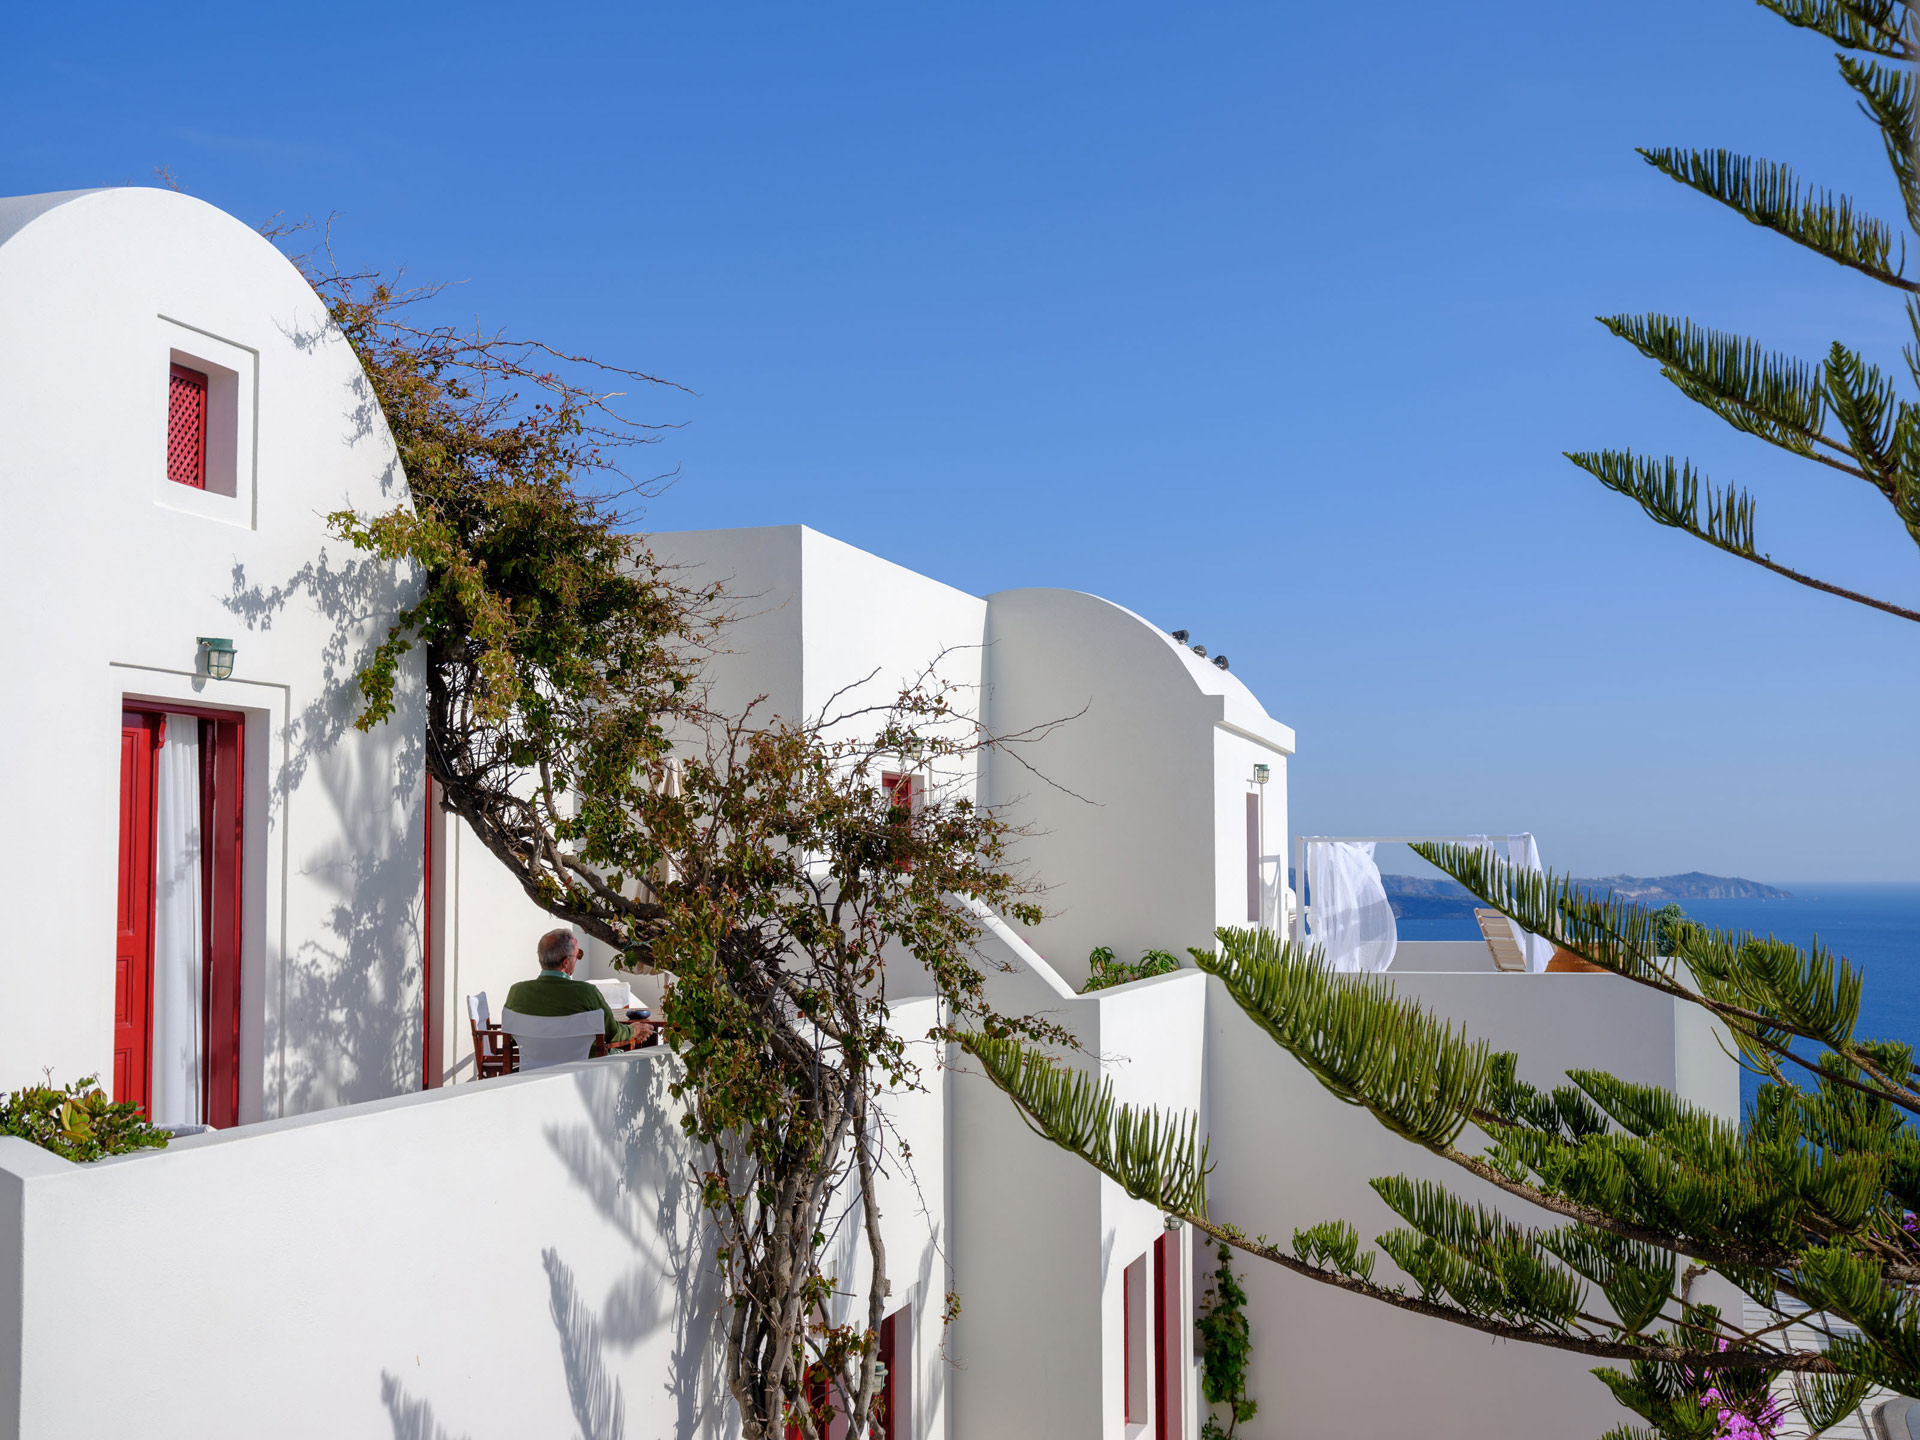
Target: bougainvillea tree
761, 863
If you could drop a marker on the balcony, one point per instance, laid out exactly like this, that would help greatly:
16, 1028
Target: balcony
1421, 922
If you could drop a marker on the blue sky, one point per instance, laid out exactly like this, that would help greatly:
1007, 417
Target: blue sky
1262, 322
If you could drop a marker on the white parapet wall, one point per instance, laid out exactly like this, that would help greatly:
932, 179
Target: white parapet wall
520, 1257
1289, 1154
1042, 1240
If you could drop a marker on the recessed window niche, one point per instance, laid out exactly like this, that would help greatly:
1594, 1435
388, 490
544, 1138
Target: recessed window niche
203, 460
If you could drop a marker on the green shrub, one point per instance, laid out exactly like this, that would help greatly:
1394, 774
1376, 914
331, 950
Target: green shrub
1103, 970
1226, 1343
78, 1122
1665, 920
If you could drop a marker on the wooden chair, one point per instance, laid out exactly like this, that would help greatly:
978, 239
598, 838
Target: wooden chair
1497, 930
544, 1040
492, 1046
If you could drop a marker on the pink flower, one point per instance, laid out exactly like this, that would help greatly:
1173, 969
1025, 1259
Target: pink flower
1735, 1425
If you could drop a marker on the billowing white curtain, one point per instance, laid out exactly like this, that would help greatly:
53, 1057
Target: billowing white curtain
1525, 855
1351, 918
1276, 900
177, 947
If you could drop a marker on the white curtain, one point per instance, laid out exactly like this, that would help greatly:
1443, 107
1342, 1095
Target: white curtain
1352, 920
1525, 855
1276, 900
177, 947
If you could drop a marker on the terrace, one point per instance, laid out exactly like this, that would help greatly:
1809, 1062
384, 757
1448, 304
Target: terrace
521, 1256
1351, 914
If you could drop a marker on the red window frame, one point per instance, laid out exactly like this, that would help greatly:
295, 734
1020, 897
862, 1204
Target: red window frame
816, 1400
133, 950
1166, 1291
882, 1427
906, 793
223, 751
430, 1016
187, 427
1136, 1298
914, 785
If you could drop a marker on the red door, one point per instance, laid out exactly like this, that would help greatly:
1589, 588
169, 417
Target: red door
222, 809
133, 931
883, 1427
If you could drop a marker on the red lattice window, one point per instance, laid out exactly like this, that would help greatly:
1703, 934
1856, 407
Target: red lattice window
187, 427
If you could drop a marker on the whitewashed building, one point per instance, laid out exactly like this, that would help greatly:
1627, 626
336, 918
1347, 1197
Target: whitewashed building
241, 914
179, 421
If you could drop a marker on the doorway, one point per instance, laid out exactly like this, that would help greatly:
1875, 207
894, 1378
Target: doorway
176, 1042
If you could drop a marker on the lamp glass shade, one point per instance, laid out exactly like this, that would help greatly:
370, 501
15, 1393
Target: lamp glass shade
219, 656
1261, 774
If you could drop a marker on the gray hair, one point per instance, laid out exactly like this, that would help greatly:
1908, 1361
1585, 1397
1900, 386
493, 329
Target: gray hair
556, 948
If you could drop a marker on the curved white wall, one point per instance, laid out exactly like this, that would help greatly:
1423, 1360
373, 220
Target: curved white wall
1136, 801
110, 573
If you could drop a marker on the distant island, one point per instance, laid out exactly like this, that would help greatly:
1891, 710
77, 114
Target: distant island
1690, 886
1422, 898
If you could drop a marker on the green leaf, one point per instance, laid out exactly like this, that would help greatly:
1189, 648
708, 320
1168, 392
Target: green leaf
1671, 491
1636, 1278
1763, 393
1826, 1400
1770, 196
1812, 991
1665, 1396
1155, 1158
1476, 1257
1418, 1076
1875, 26
1333, 1244
1864, 403
1886, 98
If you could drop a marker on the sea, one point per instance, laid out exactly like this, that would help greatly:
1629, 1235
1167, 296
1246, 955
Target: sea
1876, 926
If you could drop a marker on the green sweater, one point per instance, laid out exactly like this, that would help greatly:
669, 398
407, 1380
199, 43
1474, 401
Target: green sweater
553, 993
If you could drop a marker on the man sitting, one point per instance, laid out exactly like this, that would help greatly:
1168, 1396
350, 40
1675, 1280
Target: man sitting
556, 992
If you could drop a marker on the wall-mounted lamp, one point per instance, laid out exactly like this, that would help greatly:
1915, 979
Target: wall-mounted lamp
1180, 635
1262, 774
219, 655
1200, 650
1172, 1224
1221, 661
